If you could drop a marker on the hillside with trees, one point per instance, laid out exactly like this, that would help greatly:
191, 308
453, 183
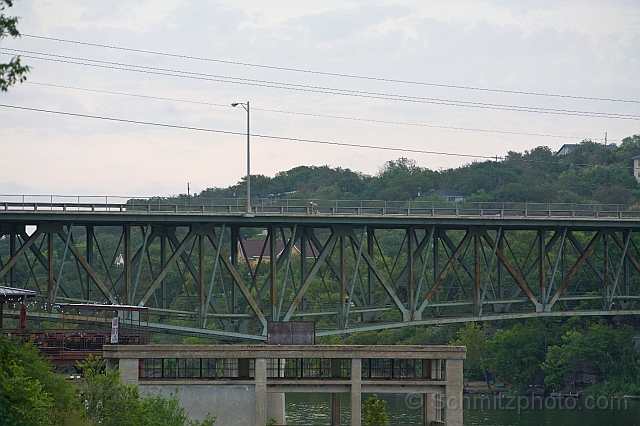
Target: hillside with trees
590, 173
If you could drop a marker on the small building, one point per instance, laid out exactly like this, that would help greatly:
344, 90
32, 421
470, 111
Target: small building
568, 147
450, 195
565, 149
245, 384
251, 251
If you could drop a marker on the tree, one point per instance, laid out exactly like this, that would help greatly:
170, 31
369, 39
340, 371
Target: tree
30, 394
12, 72
109, 402
518, 352
599, 350
374, 412
474, 338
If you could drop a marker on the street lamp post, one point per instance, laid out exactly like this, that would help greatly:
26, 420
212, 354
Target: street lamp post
246, 107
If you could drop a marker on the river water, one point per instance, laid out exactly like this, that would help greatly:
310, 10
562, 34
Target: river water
313, 409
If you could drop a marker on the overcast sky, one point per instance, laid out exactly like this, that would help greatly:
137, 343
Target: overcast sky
574, 48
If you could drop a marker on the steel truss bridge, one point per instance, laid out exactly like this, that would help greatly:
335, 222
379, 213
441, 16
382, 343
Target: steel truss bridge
226, 275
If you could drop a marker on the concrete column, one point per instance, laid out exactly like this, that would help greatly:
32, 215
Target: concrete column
430, 401
356, 392
276, 407
436, 369
128, 370
276, 401
261, 391
335, 397
453, 392
430, 408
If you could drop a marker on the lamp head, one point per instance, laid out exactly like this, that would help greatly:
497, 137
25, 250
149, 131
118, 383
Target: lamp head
235, 104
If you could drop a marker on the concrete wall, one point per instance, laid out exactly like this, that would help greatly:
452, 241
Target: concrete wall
233, 405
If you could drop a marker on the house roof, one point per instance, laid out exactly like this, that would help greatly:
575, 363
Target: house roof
253, 249
12, 295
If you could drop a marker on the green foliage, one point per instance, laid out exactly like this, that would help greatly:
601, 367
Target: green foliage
109, 402
22, 401
163, 411
475, 339
13, 71
598, 350
518, 352
374, 411
30, 394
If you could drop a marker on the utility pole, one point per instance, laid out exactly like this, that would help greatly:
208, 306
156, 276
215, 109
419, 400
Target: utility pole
188, 192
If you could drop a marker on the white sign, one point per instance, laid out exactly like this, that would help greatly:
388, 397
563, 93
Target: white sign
114, 329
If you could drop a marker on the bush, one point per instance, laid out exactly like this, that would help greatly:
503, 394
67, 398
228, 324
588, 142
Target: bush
374, 412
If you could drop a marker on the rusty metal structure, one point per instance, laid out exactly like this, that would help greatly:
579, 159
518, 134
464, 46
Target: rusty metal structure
348, 268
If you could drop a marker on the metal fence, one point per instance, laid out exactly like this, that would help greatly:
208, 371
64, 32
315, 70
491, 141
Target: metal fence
270, 206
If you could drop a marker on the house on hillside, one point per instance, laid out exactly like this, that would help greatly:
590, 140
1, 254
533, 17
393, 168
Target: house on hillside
565, 149
568, 147
250, 251
450, 195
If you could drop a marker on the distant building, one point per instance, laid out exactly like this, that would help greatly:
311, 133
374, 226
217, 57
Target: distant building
450, 195
636, 167
568, 147
255, 249
565, 149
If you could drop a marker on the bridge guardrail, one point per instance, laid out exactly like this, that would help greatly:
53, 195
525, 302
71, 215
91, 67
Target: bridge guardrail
115, 204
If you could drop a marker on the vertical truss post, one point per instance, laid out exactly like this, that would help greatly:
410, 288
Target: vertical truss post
90, 240
127, 263
163, 263
500, 243
476, 273
304, 270
541, 265
411, 278
273, 260
343, 284
370, 275
370, 296
235, 234
607, 293
12, 252
50, 279
201, 295
625, 265
436, 259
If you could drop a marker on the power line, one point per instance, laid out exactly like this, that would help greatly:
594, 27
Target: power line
415, 151
313, 115
360, 77
200, 129
317, 89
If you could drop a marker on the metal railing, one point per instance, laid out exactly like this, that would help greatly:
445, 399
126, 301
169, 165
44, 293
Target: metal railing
270, 206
